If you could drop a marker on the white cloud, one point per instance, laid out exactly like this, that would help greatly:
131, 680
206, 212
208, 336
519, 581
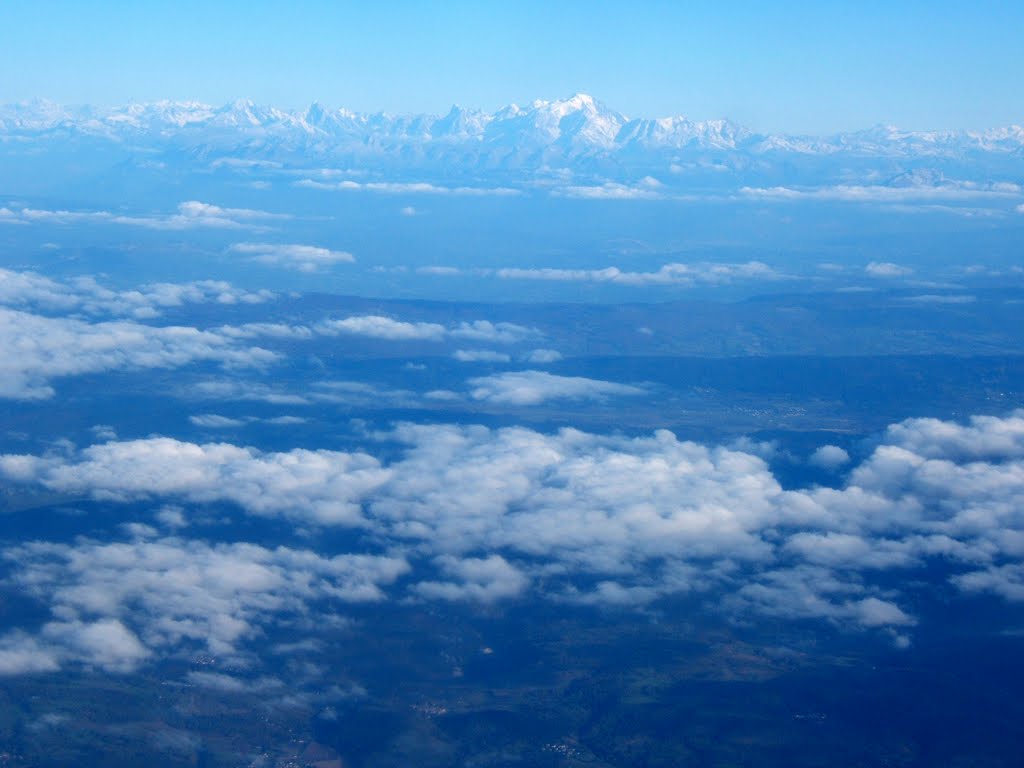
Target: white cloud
36, 349
495, 333
103, 432
191, 214
226, 389
85, 294
286, 421
535, 387
266, 330
855, 193
668, 274
942, 298
483, 580
305, 258
106, 643
218, 681
379, 327
1007, 581
648, 188
406, 188
480, 356
829, 457
116, 605
887, 269
215, 421
983, 437
21, 654
541, 356
489, 514
321, 486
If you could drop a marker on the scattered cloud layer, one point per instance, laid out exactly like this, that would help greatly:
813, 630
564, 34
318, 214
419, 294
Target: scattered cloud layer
856, 193
485, 515
35, 349
86, 295
386, 328
405, 188
117, 605
669, 274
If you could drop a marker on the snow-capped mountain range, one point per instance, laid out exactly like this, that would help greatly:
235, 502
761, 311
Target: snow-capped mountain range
579, 122
579, 136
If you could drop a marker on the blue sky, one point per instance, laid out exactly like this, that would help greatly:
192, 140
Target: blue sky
785, 66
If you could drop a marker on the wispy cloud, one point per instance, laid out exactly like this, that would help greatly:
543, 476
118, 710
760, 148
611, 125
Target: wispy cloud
855, 193
405, 188
536, 387
305, 258
647, 188
887, 269
191, 214
668, 274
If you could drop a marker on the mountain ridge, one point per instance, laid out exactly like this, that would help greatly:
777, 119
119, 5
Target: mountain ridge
579, 121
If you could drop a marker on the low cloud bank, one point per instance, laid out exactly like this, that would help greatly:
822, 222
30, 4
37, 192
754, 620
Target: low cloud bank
485, 515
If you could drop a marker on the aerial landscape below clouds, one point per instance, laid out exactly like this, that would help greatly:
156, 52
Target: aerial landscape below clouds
541, 436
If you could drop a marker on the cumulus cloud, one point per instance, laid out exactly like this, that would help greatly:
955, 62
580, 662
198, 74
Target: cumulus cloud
829, 457
810, 592
535, 387
323, 486
982, 437
482, 580
496, 333
116, 605
484, 514
86, 295
1007, 581
305, 258
22, 654
35, 349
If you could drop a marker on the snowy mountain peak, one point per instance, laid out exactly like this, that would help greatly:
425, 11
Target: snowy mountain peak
548, 133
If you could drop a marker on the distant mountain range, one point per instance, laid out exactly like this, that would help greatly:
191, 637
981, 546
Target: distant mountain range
576, 137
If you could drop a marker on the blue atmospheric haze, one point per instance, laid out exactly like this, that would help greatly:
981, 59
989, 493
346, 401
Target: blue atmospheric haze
662, 404
796, 67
